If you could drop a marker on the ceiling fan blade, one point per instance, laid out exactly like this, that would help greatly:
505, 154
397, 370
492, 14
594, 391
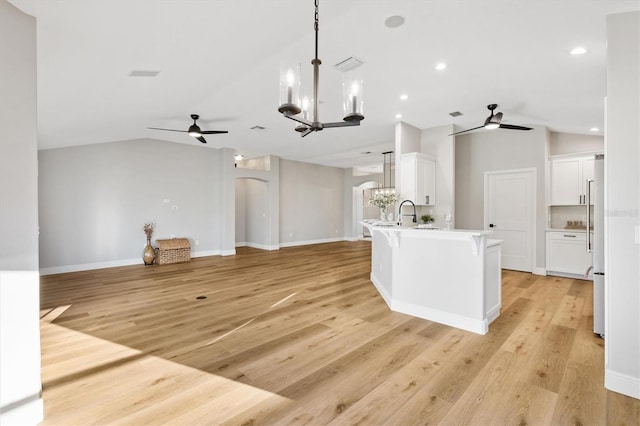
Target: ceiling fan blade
513, 127
464, 131
213, 132
169, 130
201, 139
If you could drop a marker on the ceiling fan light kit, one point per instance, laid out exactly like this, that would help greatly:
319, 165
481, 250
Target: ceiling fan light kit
292, 104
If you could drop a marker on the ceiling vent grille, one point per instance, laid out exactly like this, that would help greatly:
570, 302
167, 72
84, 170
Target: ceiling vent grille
455, 114
348, 64
143, 73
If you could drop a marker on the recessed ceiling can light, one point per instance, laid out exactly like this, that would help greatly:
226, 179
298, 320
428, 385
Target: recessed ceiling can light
394, 21
441, 66
404, 97
398, 116
594, 129
578, 51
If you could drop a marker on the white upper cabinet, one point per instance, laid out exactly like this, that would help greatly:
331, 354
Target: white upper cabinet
569, 180
418, 179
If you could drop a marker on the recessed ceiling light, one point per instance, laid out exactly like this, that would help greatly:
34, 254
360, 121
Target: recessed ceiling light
404, 97
398, 116
394, 21
441, 66
578, 51
594, 129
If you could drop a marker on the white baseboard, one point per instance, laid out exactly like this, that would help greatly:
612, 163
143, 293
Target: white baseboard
90, 266
622, 383
241, 244
310, 242
262, 246
31, 412
539, 271
493, 314
386, 296
446, 318
122, 262
566, 275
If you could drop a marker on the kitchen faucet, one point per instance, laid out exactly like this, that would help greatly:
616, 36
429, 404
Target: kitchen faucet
415, 217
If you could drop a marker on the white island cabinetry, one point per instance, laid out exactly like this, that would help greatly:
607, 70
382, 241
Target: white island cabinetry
450, 277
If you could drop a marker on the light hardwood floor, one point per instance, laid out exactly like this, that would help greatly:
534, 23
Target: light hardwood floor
301, 336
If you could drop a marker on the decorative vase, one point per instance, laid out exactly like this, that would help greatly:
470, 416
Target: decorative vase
383, 214
148, 254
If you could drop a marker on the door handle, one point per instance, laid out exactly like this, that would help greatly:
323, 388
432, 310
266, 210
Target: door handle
491, 225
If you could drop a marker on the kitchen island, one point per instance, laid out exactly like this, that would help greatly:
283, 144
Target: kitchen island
450, 277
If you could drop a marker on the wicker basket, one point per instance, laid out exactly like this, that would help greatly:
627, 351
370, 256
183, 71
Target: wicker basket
175, 250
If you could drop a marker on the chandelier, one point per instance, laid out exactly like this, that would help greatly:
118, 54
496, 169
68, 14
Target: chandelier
291, 105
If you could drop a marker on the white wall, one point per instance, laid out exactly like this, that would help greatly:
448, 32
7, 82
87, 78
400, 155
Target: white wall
311, 203
241, 212
571, 143
483, 151
20, 400
436, 143
94, 200
622, 206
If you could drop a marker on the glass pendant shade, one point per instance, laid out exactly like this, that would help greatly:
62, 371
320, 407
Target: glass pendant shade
352, 96
290, 88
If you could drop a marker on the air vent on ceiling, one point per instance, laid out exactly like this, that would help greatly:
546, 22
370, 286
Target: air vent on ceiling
455, 114
143, 73
258, 128
348, 64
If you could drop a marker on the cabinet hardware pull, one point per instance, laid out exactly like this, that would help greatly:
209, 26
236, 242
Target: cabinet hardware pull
426, 199
569, 236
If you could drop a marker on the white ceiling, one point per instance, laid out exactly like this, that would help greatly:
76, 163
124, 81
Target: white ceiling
220, 59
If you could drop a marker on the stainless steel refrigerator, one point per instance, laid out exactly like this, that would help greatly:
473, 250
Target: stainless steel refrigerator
595, 240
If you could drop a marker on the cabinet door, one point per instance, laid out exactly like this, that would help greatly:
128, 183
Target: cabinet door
429, 182
566, 253
418, 179
566, 182
408, 179
587, 173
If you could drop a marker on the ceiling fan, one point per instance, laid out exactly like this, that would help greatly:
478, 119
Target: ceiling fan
194, 130
493, 121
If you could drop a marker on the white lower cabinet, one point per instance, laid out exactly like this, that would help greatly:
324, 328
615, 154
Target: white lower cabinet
567, 254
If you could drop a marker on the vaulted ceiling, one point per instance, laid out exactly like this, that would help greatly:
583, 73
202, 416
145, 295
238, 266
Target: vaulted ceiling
220, 59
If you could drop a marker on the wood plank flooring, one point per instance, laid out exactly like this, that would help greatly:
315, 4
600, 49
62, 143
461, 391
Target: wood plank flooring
301, 336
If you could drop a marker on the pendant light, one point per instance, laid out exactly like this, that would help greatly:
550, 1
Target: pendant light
291, 104
387, 186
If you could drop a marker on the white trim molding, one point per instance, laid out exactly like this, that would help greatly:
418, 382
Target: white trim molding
622, 383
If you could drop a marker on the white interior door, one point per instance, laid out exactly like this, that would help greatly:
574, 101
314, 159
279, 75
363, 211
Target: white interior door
509, 200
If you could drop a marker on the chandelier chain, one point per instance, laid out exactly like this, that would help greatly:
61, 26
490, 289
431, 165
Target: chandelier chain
315, 26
